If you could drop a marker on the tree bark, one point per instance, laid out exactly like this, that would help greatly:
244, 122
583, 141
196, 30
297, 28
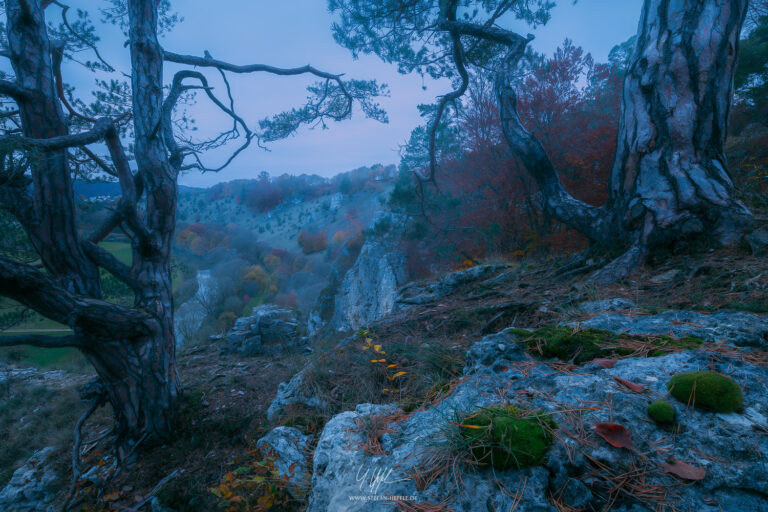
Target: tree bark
670, 181
53, 230
670, 178
132, 349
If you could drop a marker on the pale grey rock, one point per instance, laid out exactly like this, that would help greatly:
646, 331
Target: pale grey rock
758, 241
492, 353
32, 487
730, 447
291, 449
270, 329
736, 328
431, 291
293, 392
606, 305
369, 289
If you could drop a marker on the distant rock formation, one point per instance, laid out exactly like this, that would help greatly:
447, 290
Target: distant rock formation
270, 329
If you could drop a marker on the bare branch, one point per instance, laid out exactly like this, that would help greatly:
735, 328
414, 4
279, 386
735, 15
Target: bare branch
177, 153
95, 134
205, 62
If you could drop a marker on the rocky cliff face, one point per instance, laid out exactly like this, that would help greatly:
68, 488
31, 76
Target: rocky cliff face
368, 291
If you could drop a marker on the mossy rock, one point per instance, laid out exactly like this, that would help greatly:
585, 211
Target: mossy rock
503, 438
662, 412
581, 346
707, 390
567, 343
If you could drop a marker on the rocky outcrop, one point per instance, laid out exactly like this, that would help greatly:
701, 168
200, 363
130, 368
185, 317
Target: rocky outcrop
293, 392
291, 449
369, 289
270, 329
736, 328
606, 305
32, 487
432, 291
420, 461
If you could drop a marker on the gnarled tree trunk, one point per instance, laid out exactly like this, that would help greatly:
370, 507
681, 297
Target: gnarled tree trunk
670, 177
670, 180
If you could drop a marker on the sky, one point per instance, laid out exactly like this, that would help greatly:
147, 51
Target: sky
289, 33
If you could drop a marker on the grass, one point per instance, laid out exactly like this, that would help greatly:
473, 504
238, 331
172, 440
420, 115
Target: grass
120, 250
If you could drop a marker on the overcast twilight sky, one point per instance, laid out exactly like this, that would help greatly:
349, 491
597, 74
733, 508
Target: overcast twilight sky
288, 33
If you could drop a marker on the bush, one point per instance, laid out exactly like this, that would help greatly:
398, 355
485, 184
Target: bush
311, 243
707, 390
505, 438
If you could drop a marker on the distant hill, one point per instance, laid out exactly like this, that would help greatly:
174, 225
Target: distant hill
109, 189
277, 209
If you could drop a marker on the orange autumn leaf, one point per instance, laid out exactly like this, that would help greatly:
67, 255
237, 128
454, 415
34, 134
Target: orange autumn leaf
635, 388
604, 363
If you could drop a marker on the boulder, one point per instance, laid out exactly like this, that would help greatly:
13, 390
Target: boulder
32, 487
735, 328
369, 289
758, 241
581, 467
432, 291
270, 329
293, 392
291, 450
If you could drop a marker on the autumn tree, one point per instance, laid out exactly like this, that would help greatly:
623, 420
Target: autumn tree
669, 181
50, 136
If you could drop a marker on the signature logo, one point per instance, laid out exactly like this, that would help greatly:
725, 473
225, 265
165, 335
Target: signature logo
372, 478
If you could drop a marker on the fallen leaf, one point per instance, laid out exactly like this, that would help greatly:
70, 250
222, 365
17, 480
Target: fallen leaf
637, 388
684, 470
615, 435
604, 363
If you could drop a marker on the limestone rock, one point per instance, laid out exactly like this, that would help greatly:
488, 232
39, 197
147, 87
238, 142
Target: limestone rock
729, 447
736, 328
293, 392
369, 289
270, 329
291, 449
32, 487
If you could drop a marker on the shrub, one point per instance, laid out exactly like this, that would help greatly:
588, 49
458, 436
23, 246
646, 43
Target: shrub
662, 412
505, 438
707, 390
311, 243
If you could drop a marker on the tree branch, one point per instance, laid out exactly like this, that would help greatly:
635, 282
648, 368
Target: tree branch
95, 134
96, 318
177, 88
205, 62
14, 90
40, 340
106, 260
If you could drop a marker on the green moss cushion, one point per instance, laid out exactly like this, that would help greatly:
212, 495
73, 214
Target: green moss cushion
502, 438
662, 412
707, 390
